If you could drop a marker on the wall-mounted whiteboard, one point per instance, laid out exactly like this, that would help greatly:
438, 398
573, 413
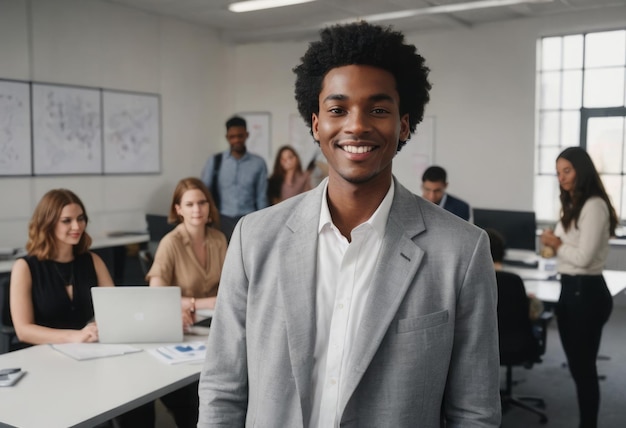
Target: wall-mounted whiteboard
417, 155
132, 138
67, 136
15, 135
259, 128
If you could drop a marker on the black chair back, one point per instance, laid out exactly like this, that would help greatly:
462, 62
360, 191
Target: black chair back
158, 226
522, 342
7, 332
518, 343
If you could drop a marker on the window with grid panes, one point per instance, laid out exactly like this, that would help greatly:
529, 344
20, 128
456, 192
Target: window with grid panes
581, 92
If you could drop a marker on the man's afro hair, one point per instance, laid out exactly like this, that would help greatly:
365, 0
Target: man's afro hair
362, 43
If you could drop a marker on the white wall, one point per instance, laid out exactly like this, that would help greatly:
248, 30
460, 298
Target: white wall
483, 99
97, 44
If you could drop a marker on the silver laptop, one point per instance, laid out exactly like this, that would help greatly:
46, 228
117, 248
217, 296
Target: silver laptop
138, 314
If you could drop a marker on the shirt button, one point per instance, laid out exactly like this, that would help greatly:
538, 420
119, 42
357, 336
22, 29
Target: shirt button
340, 306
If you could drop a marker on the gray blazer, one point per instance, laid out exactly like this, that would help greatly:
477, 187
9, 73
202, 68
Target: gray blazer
426, 349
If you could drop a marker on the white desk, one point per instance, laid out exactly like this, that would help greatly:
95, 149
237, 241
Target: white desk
59, 392
97, 243
537, 282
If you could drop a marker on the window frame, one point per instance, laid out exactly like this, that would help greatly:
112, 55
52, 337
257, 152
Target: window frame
555, 136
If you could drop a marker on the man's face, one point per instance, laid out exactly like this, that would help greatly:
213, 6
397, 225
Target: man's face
237, 136
433, 190
359, 125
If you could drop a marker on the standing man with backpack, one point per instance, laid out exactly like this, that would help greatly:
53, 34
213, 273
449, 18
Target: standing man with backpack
237, 179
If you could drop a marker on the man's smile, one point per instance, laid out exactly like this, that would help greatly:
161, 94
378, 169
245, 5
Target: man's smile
357, 149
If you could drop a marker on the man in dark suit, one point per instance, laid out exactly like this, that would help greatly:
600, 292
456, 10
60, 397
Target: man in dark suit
434, 184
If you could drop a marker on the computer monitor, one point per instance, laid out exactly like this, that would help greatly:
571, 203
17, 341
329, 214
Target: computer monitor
517, 227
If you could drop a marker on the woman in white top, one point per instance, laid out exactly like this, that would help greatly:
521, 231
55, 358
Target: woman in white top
581, 244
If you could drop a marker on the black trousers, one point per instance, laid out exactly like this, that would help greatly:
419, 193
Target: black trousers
182, 404
583, 308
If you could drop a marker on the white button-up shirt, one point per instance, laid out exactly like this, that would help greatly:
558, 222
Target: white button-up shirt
344, 273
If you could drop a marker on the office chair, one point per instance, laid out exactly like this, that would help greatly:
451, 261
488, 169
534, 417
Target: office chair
158, 226
522, 342
8, 339
145, 260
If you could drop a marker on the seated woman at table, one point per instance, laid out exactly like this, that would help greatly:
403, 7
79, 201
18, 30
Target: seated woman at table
50, 294
191, 256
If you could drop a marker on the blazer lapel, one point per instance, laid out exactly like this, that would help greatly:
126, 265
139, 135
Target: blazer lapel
398, 262
297, 284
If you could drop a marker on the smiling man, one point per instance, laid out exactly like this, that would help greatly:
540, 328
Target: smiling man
358, 303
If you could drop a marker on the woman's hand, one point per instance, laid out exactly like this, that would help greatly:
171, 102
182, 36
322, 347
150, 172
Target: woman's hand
549, 239
188, 309
89, 333
545, 236
188, 304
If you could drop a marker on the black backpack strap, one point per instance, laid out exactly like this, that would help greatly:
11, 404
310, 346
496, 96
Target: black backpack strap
217, 162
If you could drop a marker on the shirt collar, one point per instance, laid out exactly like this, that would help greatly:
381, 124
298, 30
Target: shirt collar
378, 220
182, 234
229, 155
443, 200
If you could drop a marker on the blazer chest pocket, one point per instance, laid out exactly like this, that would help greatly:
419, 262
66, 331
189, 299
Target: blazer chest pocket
423, 322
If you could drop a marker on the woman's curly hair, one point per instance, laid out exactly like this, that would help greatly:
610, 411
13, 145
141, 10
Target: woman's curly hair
362, 43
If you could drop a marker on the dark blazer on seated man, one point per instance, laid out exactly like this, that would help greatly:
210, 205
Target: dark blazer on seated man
456, 206
434, 185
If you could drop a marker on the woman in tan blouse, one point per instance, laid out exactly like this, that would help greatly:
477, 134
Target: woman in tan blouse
191, 256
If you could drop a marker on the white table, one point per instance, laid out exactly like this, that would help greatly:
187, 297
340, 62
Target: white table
59, 392
547, 288
97, 243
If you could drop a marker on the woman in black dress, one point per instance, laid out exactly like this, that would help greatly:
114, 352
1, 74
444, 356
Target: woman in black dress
51, 286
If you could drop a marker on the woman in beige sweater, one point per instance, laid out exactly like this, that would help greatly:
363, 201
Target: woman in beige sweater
581, 244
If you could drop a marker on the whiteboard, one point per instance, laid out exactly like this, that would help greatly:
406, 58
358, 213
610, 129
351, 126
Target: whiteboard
132, 142
67, 135
417, 155
15, 135
259, 128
